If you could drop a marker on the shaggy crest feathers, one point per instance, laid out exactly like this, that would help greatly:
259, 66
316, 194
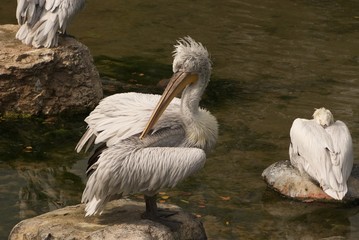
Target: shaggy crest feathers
189, 52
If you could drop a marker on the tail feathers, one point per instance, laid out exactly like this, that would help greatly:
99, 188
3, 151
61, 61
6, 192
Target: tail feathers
43, 34
94, 206
339, 195
23, 32
46, 34
94, 198
335, 185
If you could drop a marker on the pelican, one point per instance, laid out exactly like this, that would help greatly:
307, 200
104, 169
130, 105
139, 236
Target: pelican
322, 148
140, 152
41, 20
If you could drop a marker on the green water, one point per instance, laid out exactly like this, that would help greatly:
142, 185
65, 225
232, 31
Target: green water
273, 61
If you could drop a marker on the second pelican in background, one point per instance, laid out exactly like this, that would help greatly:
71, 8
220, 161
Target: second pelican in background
42, 20
323, 149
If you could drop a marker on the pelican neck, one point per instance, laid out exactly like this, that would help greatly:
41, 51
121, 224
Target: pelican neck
190, 104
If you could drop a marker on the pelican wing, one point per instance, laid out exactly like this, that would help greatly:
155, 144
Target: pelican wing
310, 149
120, 172
343, 147
120, 116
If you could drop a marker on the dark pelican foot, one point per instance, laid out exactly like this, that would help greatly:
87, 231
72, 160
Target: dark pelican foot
67, 35
159, 215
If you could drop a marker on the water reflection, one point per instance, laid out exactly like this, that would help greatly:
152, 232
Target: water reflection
273, 61
39, 170
47, 189
309, 220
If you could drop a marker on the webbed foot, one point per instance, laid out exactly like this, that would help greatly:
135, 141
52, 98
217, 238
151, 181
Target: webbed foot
159, 215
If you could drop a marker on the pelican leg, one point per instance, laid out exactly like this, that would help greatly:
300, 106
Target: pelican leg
159, 215
151, 207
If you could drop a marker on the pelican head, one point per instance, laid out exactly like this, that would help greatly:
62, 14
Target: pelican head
323, 117
192, 57
191, 73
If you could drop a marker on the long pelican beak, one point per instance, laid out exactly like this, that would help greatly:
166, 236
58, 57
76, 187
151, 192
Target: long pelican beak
177, 83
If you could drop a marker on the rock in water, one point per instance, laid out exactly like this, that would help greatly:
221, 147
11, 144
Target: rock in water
46, 81
120, 220
287, 180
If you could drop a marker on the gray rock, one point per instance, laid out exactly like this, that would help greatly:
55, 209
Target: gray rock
120, 220
46, 81
287, 180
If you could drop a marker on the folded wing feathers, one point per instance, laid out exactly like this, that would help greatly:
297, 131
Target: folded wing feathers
154, 168
343, 161
120, 116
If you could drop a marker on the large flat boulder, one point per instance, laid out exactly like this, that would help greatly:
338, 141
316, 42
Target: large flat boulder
120, 220
46, 81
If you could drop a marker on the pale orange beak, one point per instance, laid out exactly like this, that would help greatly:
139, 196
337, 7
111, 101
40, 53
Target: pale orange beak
177, 83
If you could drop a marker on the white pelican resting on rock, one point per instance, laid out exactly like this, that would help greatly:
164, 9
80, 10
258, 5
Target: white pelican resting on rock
42, 20
174, 139
323, 149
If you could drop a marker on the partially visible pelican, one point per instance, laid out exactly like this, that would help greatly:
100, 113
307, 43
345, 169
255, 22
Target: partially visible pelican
323, 149
42, 20
174, 139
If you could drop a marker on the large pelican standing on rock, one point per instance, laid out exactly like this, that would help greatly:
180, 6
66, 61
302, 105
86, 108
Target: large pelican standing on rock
323, 149
42, 20
174, 139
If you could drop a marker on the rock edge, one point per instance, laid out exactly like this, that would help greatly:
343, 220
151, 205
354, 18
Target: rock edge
120, 220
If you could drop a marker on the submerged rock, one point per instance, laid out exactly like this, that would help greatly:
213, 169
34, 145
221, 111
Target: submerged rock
46, 80
287, 180
120, 220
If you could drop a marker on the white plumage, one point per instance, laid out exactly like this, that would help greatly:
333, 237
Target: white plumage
173, 145
120, 116
42, 20
323, 149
